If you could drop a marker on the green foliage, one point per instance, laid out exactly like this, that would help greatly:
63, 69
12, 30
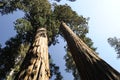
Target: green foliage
8, 55
115, 42
66, 14
22, 26
21, 52
38, 13
26, 5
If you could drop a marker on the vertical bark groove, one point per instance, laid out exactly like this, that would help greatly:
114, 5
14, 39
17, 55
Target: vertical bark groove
89, 65
36, 63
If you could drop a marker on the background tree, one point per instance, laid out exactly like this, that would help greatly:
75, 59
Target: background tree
115, 42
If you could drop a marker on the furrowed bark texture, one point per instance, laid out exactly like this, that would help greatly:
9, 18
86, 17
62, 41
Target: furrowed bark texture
89, 65
36, 63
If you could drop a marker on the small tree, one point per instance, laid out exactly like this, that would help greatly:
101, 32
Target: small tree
115, 42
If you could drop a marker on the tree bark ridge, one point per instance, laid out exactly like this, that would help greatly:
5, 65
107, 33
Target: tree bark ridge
36, 63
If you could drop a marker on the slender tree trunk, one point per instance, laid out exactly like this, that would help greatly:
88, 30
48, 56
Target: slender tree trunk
36, 63
89, 65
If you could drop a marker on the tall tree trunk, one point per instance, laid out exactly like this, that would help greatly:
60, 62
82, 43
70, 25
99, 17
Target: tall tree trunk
36, 63
89, 65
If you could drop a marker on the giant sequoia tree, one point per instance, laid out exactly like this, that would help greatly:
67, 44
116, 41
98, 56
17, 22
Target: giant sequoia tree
89, 65
26, 27
38, 14
36, 64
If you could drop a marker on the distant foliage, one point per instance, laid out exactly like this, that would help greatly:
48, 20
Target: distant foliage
115, 42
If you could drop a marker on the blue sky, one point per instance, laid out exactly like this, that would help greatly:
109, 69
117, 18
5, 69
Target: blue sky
104, 23
6, 27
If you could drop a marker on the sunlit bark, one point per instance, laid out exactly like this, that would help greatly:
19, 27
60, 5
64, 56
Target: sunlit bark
89, 65
36, 63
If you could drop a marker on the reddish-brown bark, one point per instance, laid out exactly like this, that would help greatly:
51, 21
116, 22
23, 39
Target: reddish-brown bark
36, 63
